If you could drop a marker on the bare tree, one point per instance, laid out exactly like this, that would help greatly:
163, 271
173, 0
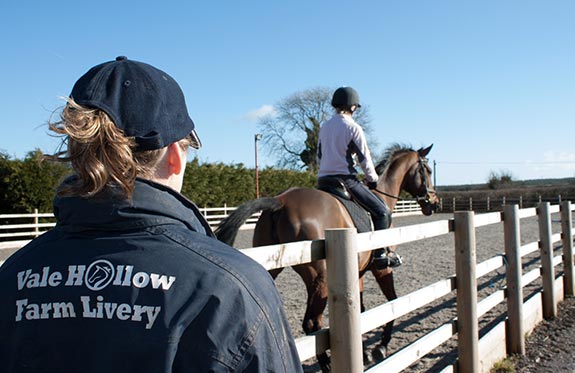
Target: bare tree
290, 134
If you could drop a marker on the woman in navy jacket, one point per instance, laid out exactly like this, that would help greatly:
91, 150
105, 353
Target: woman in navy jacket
131, 278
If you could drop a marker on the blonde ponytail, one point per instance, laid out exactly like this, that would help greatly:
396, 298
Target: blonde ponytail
99, 153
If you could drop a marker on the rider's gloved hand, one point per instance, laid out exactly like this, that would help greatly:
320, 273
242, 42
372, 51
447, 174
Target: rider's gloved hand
372, 184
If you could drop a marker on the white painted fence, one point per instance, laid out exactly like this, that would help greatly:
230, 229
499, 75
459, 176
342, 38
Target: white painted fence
214, 215
474, 354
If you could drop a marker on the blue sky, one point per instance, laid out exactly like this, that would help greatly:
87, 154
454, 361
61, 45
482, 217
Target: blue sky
490, 83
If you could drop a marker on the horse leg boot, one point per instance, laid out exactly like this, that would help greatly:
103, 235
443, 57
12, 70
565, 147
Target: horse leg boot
386, 258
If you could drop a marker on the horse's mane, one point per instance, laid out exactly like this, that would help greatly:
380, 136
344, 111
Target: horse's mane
390, 153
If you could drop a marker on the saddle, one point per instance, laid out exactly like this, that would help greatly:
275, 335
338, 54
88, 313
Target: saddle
361, 218
336, 187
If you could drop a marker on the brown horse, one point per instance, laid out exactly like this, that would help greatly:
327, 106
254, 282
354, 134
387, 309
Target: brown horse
304, 214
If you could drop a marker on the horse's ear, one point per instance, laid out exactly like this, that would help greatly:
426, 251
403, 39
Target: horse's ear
424, 152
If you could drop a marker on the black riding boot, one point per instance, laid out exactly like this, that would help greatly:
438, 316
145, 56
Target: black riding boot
384, 257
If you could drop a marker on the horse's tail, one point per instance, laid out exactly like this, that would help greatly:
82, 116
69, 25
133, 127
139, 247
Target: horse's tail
228, 228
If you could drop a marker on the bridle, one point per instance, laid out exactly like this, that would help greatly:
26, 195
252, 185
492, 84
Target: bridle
428, 191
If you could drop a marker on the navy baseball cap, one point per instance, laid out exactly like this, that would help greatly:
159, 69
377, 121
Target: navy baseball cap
143, 101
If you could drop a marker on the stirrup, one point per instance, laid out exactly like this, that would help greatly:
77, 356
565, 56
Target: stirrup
387, 259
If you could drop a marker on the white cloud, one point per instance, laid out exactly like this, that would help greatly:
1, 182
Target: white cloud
562, 160
256, 114
555, 164
559, 157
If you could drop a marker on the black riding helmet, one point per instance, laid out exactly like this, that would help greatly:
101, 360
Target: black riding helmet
345, 97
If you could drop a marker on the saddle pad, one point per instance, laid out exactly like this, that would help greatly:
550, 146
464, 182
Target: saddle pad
361, 218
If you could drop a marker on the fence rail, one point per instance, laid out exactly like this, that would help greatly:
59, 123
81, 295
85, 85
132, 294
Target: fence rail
489, 203
14, 226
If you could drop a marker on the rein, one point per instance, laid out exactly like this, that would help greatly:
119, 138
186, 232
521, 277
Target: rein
393, 196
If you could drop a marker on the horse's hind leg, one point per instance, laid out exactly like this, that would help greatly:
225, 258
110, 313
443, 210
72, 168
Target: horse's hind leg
384, 278
313, 320
316, 297
314, 278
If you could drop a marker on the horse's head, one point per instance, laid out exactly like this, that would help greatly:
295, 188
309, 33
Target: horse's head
409, 169
419, 184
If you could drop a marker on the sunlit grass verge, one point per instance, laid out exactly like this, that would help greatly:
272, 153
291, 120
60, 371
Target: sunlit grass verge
506, 365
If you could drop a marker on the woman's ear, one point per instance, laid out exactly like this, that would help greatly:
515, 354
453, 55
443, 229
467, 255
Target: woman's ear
176, 159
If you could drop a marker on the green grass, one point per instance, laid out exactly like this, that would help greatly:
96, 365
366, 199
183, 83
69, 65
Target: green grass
506, 365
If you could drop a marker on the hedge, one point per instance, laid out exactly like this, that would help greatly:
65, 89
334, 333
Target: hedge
29, 184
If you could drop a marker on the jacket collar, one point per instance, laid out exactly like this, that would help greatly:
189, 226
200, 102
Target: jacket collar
151, 204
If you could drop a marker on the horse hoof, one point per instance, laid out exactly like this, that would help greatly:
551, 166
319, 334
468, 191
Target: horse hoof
379, 353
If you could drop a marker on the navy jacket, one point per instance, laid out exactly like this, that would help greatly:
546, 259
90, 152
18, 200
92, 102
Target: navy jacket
138, 286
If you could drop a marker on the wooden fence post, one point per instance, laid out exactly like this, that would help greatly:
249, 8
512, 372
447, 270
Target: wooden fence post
343, 299
36, 222
547, 269
465, 268
512, 232
567, 238
453, 205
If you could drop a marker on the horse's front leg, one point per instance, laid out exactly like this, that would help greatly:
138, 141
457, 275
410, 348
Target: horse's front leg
367, 359
361, 304
384, 278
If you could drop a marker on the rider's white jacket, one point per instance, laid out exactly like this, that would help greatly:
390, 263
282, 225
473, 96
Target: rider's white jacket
340, 139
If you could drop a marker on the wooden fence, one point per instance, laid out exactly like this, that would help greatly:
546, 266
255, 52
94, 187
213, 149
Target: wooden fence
487, 203
344, 337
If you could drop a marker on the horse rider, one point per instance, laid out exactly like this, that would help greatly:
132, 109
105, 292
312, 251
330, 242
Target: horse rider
341, 140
